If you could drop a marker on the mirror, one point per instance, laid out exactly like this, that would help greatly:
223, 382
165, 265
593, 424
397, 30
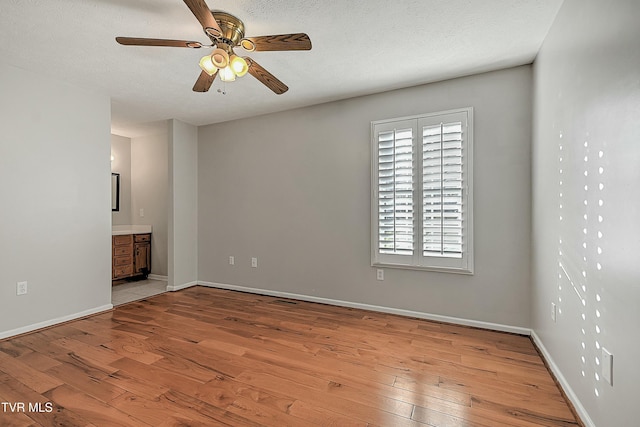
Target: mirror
115, 191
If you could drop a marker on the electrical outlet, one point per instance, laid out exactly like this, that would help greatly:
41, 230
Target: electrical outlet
553, 312
607, 366
141, 213
21, 288
380, 274
232, 260
254, 262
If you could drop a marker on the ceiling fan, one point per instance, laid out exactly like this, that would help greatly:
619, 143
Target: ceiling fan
226, 33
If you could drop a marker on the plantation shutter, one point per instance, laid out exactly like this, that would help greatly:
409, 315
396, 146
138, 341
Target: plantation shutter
422, 204
442, 189
395, 184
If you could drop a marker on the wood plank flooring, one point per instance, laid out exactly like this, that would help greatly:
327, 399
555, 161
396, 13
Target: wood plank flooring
208, 357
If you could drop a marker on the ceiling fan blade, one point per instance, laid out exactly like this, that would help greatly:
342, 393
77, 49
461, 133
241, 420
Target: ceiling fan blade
266, 77
139, 41
204, 82
297, 41
201, 11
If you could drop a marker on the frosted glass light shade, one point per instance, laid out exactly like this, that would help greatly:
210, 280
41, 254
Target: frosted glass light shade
220, 58
239, 65
207, 65
227, 74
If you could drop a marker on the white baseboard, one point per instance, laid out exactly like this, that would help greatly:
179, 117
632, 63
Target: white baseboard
580, 409
180, 287
47, 323
157, 277
400, 312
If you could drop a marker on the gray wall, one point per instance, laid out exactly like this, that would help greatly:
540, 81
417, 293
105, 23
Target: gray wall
587, 105
150, 192
293, 189
56, 201
121, 151
183, 205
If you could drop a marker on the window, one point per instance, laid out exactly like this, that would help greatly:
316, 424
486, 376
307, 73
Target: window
422, 204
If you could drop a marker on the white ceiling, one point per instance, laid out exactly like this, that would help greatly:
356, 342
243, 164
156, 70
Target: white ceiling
359, 47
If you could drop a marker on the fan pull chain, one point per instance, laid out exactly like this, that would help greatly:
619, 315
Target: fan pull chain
223, 91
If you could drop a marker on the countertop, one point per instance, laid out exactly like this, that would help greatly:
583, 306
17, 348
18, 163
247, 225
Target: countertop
119, 230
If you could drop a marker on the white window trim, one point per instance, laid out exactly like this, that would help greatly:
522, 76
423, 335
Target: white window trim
447, 265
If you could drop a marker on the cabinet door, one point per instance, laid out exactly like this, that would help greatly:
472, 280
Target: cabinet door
142, 259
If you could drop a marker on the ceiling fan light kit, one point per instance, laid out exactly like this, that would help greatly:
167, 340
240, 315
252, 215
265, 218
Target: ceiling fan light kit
227, 32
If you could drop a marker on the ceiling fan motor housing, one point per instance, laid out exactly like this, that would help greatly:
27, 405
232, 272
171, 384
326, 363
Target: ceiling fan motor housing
232, 28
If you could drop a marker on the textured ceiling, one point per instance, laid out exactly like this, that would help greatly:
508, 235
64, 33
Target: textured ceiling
359, 47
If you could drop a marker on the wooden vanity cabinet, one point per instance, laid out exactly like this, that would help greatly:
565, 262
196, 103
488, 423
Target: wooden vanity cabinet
131, 255
142, 254
122, 263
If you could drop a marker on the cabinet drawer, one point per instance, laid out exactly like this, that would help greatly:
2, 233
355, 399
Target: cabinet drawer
142, 238
122, 260
124, 271
123, 240
122, 251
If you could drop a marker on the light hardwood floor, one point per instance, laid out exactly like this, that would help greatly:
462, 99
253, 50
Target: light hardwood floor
207, 357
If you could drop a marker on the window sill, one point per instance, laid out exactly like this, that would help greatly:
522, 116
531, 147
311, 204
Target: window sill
453, 270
